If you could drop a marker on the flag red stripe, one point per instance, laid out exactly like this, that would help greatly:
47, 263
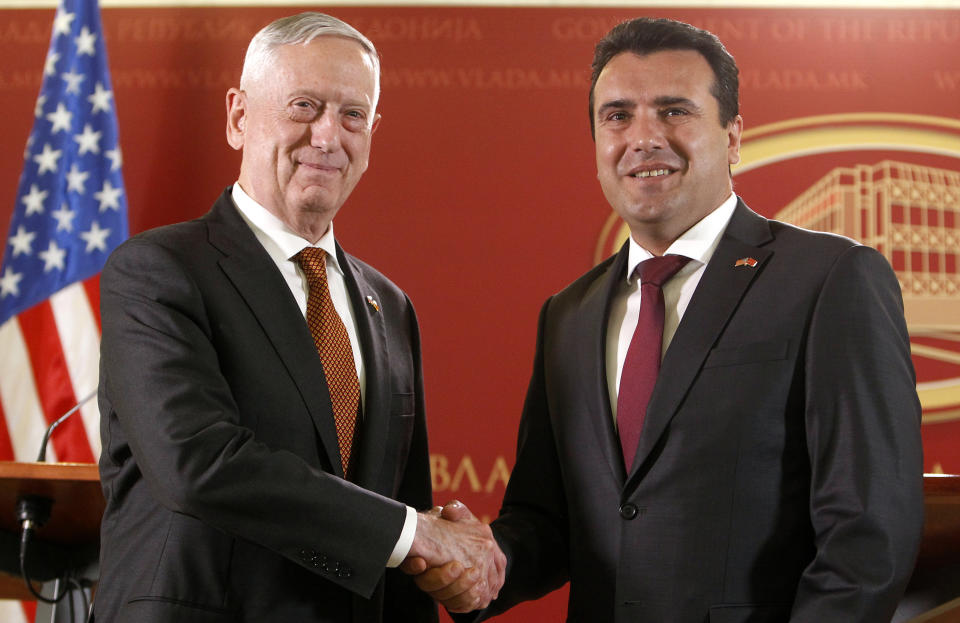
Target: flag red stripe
92, 286
53, 383
6, 447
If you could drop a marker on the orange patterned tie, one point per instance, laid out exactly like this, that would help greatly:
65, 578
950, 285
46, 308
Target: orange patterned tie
336, 354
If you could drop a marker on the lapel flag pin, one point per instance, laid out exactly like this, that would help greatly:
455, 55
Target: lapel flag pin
746, 261
376, 306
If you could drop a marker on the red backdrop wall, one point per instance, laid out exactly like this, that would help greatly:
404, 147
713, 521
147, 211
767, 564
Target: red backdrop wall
481, 198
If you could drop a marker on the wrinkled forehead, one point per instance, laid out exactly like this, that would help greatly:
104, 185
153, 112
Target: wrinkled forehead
323, 59
322, 63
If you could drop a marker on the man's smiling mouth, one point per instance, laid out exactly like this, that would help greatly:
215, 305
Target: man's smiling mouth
653, 173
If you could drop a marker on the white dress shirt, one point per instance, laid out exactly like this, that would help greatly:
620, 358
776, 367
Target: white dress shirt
282, 244
698, 243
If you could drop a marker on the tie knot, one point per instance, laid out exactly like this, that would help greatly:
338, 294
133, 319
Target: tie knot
658, 270
313, 261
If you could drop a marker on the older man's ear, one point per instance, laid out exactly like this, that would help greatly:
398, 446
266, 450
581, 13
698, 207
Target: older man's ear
236, 117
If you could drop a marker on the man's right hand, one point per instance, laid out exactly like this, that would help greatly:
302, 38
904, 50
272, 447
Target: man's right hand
455, 558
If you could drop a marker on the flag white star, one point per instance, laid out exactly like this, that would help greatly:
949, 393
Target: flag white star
22, 241
100, 98
62, 22
53, 257
50, 65
64, 164
34, 200
85, 42
77, 178
48, 159
108, 196
116, 158
95, 238
89, 140
64, 218
73, 81
10, 283
60, 119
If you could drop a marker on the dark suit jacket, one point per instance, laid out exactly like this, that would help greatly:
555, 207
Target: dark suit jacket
220, 463
778, 474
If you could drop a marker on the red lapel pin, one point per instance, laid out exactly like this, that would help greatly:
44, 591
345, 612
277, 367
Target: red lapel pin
746, 261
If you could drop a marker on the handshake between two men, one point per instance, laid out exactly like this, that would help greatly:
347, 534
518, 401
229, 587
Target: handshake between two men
455, 558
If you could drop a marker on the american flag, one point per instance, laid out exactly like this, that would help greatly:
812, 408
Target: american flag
70, 212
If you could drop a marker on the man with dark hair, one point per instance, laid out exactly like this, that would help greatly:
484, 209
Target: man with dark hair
722, 423
645, 36
264, 437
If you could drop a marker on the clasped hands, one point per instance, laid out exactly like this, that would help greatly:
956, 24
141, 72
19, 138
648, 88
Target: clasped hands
455, 559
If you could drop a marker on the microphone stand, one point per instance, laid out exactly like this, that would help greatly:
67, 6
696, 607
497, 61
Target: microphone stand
42, 457
33, 511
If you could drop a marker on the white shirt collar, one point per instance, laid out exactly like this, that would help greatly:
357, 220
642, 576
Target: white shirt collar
698, 243
285, 242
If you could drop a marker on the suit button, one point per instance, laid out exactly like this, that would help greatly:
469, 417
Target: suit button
628, 511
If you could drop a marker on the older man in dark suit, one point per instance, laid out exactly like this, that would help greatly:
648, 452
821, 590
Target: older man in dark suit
264, 440
722, 424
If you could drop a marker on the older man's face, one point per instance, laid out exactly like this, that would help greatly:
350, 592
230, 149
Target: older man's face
305, 127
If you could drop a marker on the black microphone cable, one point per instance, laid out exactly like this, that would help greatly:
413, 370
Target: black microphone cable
33, 511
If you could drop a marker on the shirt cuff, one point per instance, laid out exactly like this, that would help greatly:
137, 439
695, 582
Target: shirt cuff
405, 542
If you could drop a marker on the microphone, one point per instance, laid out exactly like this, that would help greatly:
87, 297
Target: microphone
42, 457
33, 511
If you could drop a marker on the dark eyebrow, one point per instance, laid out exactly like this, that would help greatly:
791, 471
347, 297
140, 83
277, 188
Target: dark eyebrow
674, 100
615, 104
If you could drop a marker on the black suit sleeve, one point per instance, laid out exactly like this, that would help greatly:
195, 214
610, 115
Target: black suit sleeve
863, 436
403, 601
162, 378
415, 484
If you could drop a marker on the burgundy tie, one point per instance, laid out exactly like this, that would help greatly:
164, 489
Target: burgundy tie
336, 354
642, 364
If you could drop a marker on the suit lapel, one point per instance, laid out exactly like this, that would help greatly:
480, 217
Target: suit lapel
371, 443
248, 266
717, 296
595, 311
